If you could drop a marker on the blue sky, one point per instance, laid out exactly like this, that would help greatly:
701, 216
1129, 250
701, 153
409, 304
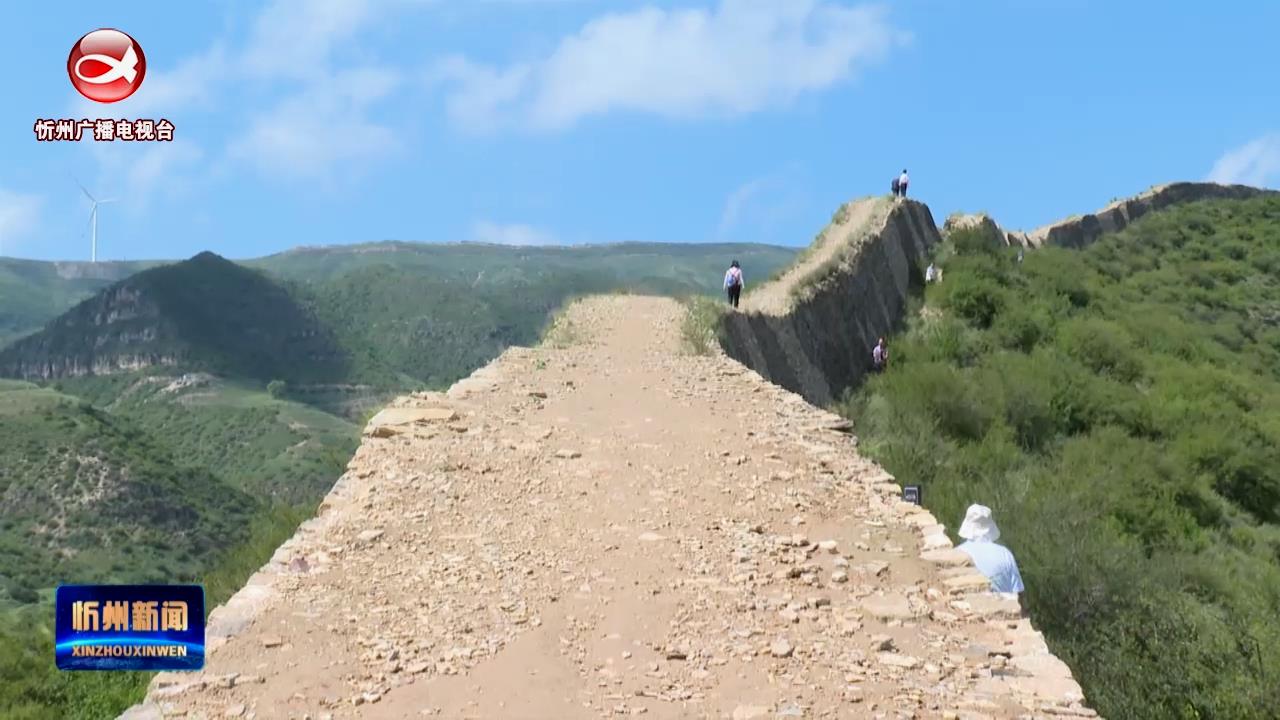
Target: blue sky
569, 121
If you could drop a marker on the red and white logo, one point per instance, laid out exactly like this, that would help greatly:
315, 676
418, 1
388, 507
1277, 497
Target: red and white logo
106, 65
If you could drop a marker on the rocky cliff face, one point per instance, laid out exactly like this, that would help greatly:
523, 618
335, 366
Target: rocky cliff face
114, 331
819, 341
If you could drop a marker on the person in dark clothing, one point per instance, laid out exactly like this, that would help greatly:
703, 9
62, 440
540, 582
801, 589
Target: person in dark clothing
733, 283
896, 187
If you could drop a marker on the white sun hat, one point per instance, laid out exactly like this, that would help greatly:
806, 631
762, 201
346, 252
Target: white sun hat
978, 525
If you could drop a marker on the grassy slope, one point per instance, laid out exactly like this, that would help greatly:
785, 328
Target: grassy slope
1119, 408
426, 315
273, 459
91, 497
274, 449
662, 267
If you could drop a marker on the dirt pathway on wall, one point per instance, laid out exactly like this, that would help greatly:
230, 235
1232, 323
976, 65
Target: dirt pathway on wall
863, 215
616, 528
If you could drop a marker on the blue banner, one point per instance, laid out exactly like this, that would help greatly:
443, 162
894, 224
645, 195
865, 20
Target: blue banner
129, 627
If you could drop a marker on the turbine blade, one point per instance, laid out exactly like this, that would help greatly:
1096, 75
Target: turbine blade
84, 190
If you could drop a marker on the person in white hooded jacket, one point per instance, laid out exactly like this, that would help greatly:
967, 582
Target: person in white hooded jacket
995, 561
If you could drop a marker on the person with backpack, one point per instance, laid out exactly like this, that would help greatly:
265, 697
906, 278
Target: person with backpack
880, 356
902, 183
733, 283
895, 186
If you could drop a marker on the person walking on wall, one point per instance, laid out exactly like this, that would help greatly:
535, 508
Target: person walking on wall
902, 183
733, 283
995, 561
880, 356
895, 186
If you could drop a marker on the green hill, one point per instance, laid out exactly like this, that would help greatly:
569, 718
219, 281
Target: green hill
274, 449
380, 317
1119, 409
406, 327
92, 497
142, 477
672, 268
33, 292
206, 313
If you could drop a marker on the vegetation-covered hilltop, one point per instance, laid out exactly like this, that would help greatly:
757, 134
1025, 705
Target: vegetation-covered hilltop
1119, 409
206, 313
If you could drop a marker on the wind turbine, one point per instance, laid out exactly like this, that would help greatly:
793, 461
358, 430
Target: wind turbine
93, 218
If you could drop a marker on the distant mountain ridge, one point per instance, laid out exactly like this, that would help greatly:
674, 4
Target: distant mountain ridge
384, 316
206, 313
33, 292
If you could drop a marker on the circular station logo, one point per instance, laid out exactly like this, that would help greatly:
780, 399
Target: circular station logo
106, 65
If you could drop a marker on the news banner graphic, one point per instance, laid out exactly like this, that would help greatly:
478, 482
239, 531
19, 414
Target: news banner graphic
105, 66
129, 627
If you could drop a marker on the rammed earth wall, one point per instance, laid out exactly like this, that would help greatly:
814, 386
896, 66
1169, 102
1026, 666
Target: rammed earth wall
822, 342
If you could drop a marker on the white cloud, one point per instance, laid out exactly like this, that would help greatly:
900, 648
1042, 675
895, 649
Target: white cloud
133, 174
318, 125
737, 202
152, 169
510, 234
1254, 163
741, 57
312, 132
295, 38
19, 215
192, 82
757, 209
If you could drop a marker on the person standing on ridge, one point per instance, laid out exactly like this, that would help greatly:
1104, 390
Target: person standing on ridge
902, 182
880, 356
733, 283
995, 561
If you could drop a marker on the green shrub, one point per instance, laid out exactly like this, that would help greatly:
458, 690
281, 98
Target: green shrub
1021, 326
1102, 346
700, 326
975, 241
978, 300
